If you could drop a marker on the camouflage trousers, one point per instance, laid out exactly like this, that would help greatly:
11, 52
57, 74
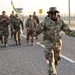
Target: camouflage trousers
6, 38
52, 53
12, 34
2, 39
28, 38
17, 37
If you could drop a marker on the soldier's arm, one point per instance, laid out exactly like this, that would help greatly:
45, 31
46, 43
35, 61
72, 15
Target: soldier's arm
40, 28
0, 19
67, 30
8, 20
26, 24
13, 26
22, 24
38, 20
35, 24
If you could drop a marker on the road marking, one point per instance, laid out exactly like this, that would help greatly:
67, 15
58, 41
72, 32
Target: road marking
24, 36
66, 58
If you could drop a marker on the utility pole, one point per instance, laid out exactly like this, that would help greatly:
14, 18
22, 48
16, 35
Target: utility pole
69, 11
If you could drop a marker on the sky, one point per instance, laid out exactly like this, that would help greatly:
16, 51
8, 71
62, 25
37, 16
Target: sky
29, 6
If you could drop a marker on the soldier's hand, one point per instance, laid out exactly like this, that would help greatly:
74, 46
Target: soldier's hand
2, 20
47, 61
29, 29
13, 30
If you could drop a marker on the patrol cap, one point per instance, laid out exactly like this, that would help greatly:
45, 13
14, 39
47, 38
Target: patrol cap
52, 9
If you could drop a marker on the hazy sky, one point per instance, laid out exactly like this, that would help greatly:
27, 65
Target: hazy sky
34, 5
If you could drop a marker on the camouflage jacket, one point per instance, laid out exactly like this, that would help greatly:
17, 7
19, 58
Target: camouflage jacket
4, 24
36, 19
52, 30
30, 23
18, 24
12, 19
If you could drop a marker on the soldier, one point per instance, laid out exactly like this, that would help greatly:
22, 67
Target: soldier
35, 17
17, 27
4, 22
30, 26
12, 17
51, 28
1, 33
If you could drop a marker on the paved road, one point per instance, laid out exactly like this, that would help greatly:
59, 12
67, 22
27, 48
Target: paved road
29, 60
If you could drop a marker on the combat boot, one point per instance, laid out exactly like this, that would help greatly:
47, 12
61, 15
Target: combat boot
16, 43
19, 43
5, 45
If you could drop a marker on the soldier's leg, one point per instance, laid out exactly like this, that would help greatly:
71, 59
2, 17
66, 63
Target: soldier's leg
19, 37
52, 68
11, 33
57, 52
27, 38
57, 57
5, 39
49, 55
2, 39
32, 40
16, 37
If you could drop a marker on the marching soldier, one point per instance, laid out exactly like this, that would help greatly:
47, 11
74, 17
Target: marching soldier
17, 29
1, 33
51, 28
35, 17
4, 29
30, 26
12, 17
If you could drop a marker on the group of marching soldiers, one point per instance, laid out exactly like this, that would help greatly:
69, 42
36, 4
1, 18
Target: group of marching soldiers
16, 27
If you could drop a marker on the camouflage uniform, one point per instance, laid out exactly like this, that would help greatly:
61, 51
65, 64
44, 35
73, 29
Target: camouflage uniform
52, 40
4, 29
12, 17
30, 25
36, 19
1, 33
17, 27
